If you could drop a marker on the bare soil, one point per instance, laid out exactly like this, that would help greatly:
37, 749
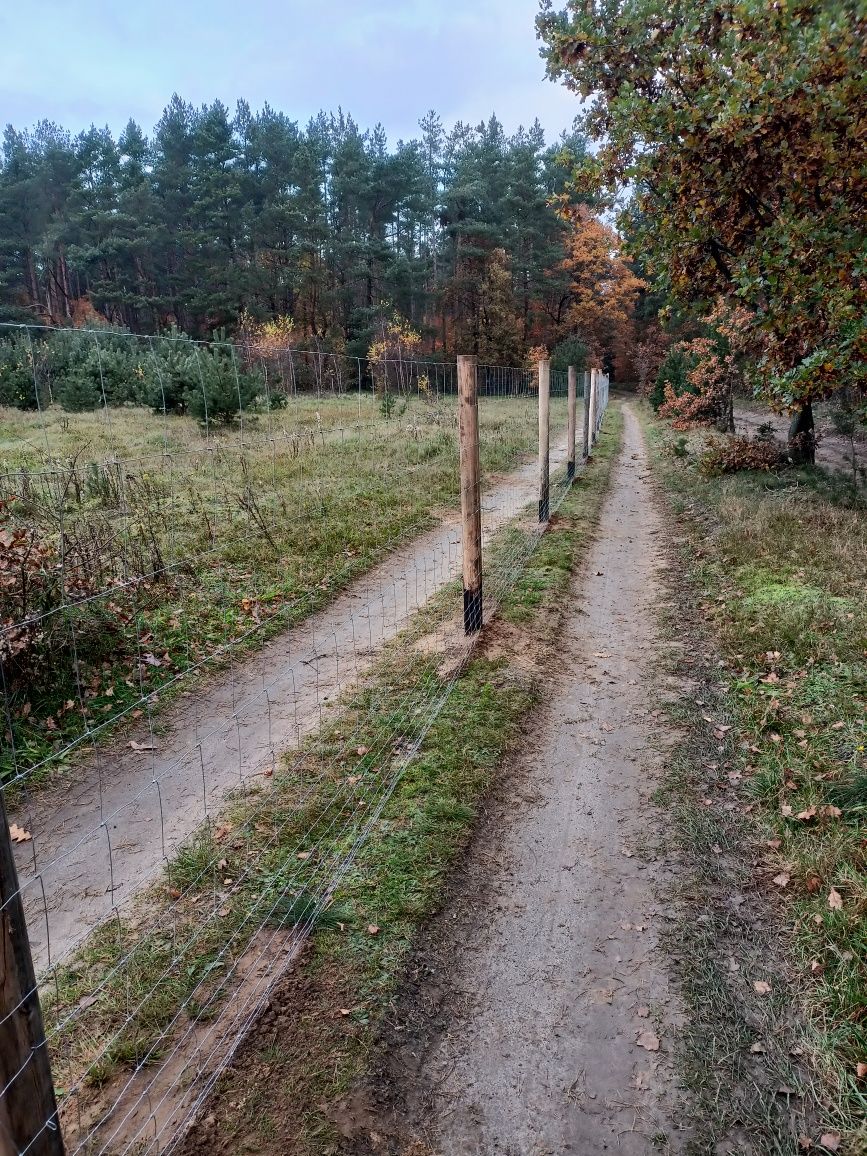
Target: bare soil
540, 1017
106, 828
833, 450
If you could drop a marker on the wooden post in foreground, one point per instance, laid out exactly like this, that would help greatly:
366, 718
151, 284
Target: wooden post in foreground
594, 388
544, 439
570, 424
28, 1109
471, 497
586, 415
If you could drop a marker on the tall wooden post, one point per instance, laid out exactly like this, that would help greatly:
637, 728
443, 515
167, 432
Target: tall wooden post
544, 439
570, 423
28, 1109
471, 497
586, 413
594, 389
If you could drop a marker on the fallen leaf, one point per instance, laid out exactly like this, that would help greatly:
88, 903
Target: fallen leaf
804, 1142
762, 987
861, 1070
757, 1048
361, 750
648, 1040
141, 746
643, 1013
372, 929
805, 816
782, 880
835, 899
18, 834
303, 855
813, 884
830, 1140
787, 810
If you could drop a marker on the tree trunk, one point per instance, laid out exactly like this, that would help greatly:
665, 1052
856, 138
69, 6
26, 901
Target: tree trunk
802, 438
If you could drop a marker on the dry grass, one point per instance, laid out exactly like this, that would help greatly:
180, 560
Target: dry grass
779, 564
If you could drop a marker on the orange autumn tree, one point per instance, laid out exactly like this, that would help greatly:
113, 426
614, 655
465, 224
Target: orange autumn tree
602, 287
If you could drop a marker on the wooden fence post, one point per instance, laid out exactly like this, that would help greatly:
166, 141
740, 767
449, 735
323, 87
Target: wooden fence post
586, 415
544, 439
471, 498
594, 390
570, 423
28, 1108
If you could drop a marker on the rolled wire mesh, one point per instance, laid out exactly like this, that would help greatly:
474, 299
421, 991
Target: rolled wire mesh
192, 823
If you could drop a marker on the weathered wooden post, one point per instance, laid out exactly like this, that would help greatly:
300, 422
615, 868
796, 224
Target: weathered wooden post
471, 497
570, 423
28, 1109
586, 413
544, 439
594, 393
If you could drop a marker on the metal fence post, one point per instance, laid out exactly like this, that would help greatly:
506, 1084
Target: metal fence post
471, 499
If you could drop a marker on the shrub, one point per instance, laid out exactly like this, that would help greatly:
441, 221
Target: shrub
572, 351
672, 380
17, 364
221, 390
732, 454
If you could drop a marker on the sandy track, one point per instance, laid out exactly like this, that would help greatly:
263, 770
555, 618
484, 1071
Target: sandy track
106, 830
558, 1019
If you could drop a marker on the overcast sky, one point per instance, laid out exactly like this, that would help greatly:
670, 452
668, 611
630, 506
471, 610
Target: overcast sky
103, 61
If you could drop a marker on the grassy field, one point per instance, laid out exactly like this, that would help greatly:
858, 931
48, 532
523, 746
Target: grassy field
771, 790
140, 547
168, 959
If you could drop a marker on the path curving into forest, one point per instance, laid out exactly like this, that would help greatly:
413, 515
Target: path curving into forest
106, 830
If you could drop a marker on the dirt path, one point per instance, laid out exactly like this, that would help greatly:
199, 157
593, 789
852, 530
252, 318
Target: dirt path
106, 830
554, 1015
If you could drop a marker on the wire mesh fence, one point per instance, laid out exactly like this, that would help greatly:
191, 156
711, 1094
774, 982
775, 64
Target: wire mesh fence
195, 594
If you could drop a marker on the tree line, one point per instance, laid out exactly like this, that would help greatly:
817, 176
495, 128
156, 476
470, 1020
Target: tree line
220, 217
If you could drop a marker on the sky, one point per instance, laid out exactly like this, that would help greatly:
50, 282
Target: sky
385, 61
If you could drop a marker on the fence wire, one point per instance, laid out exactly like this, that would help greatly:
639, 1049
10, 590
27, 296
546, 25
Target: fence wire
198, 569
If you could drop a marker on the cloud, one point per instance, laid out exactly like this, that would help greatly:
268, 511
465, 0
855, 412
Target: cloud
385, 61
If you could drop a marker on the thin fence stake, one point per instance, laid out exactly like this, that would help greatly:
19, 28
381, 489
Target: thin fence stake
471, 505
